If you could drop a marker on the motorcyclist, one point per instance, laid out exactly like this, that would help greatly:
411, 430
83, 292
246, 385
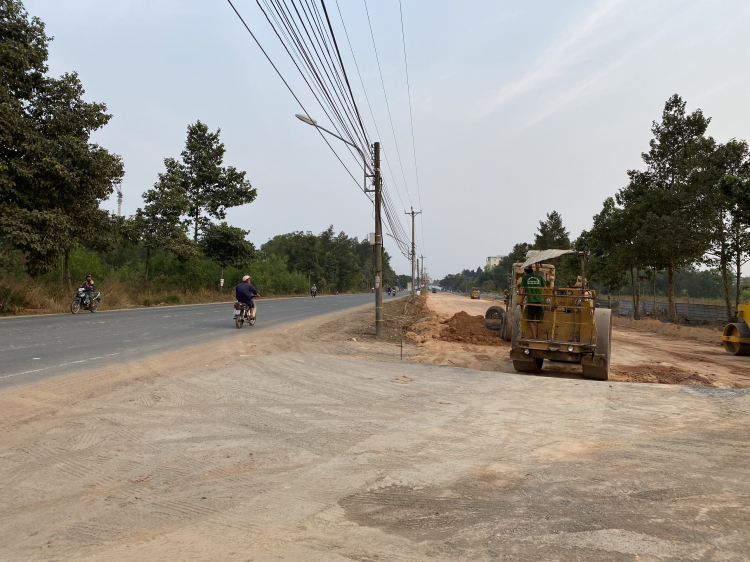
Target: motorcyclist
313, 290
389, 290
90, 287
245, 293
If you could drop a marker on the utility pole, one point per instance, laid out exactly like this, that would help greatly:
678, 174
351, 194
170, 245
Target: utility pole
378, 244
413, 214
421, 277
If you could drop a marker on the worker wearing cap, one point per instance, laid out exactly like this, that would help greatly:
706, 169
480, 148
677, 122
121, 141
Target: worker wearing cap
532, 285
245, 293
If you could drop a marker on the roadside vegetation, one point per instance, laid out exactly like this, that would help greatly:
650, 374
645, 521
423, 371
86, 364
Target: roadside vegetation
679, 228
176, 248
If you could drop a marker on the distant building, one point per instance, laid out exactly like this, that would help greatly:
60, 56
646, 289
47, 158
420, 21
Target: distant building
492, 261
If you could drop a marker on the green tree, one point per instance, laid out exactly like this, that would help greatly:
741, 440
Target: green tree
672, 194
735, 189
551, 234
210, 188
158, 225
226, 245
52, 179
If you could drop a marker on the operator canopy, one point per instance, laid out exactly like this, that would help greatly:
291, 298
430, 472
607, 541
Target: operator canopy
537, 256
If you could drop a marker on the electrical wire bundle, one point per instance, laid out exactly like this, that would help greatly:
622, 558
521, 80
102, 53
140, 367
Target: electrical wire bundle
305, 31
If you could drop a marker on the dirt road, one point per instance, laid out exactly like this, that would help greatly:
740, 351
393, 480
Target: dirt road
300, 443
643, 351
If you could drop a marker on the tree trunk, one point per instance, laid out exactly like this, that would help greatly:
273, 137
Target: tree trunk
66, 268
738, 267
195, 234
148, 258
653, 310
638, 291
636, 312
672, 316
725, 285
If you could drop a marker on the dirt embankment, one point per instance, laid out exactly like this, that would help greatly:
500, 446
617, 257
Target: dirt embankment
451, 332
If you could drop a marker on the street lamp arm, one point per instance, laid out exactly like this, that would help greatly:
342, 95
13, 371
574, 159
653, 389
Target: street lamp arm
314, 123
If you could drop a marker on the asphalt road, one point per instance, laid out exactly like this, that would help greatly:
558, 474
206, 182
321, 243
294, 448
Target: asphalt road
33, 348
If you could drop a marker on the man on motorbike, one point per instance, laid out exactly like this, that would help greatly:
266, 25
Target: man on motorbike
245, 293
90, 289
313, 290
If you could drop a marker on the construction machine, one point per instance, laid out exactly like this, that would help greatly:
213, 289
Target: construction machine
475, 293
736, 337
572, 329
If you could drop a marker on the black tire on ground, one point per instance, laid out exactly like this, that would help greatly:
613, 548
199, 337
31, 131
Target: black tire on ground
494, 318
738, 330
238, 322
94, 306
603, 322
533, 366
75, 306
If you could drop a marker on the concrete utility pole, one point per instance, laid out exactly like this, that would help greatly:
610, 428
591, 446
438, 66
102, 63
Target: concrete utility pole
378, 244
377, 181
413, 214
421, 277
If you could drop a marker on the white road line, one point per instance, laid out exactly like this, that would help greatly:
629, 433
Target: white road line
56, 366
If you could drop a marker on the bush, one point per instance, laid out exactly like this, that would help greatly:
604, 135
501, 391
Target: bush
173, 299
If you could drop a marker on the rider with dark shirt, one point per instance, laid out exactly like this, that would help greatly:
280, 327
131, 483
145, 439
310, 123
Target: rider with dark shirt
90, 289
245, 293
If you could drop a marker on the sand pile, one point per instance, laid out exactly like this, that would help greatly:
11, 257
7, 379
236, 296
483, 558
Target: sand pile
463, 328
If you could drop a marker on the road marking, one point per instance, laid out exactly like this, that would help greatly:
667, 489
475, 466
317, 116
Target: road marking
56, 366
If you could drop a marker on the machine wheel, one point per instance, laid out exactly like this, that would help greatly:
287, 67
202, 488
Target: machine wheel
238, 322
737, 331
508, 327
494, 318
515, 324
75, 306
602, 320
533, 366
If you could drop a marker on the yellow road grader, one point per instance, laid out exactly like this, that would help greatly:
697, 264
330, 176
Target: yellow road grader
736, 337
572, 329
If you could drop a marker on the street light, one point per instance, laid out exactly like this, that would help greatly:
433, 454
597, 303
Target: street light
375, 174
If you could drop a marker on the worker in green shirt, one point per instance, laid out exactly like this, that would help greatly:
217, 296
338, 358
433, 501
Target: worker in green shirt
532, 284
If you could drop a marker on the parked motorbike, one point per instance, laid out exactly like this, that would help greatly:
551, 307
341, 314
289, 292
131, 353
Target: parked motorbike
242, 314
85, 301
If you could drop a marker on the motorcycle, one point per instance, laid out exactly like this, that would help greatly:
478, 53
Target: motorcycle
85, 301
242, 314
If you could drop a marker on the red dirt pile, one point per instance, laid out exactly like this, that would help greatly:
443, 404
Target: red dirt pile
463, 328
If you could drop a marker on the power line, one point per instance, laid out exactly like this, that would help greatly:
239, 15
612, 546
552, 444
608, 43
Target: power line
369, 105
387, 105
309, 40
289, 87
411, 116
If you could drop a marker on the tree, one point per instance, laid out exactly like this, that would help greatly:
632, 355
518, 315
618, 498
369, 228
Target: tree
52, 179
672, 194
210, 188
551, 234
227, 246
158, 225
735, 190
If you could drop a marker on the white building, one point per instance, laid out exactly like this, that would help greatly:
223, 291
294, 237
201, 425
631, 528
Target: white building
492, 261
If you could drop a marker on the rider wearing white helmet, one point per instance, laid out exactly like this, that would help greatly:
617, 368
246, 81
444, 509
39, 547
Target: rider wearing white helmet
245, 293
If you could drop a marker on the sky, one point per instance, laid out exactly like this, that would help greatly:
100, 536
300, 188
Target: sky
519, 108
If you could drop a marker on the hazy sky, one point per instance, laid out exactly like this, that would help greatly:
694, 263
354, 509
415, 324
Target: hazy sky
520, 108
